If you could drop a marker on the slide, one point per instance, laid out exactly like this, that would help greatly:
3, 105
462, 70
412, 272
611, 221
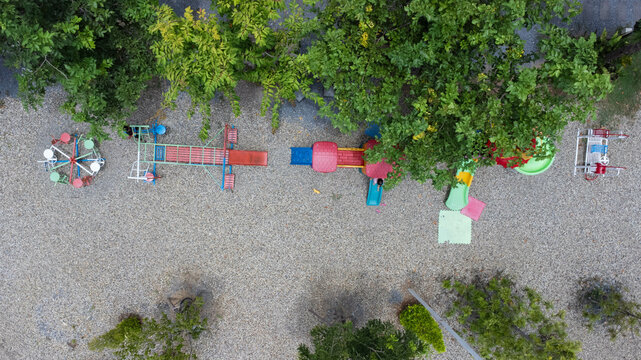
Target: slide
247, 158
458, 198
301, 156
375, 193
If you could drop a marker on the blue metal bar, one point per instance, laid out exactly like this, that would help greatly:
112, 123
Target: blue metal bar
222, 185
155, 142
77, 151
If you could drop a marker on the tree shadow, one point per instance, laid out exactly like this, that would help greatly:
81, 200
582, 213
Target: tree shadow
334, 298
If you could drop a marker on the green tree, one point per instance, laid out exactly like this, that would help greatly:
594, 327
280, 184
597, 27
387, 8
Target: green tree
376, 340
505, 322
164, 339
602, 303
443, 78
207, 54
97, 50
417, 319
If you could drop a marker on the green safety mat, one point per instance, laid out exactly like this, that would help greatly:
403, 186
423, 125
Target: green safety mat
454, 228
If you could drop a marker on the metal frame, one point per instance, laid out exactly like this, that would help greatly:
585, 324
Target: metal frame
596, 163
147, 154
54, 163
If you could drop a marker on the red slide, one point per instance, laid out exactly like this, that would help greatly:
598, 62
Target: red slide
350, 158
248, 158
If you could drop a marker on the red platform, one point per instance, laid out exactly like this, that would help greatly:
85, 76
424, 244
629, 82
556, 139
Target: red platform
248, 158
350, 158
377, 170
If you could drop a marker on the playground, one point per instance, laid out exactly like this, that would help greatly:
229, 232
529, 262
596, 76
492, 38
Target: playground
287, 239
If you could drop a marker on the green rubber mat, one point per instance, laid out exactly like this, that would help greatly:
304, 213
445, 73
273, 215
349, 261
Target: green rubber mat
454, 228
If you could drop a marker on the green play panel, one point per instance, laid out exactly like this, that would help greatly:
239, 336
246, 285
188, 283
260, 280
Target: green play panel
457, 199
454, 228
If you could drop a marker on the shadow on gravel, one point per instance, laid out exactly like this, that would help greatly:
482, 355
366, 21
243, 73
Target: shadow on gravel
185, 288
332, 300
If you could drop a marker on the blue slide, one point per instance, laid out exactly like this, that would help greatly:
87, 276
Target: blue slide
374, 194
301, 156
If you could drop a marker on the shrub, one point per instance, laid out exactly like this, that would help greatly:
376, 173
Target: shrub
376, 340
417, 319
204, 54
506, 322
163, 339
129, 328
603, 304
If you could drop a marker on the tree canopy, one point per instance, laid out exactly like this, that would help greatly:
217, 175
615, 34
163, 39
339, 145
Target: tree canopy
447, 81
210, 53
446, 78
97, 50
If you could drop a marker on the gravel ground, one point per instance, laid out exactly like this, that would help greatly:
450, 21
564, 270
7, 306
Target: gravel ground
74, 260
610, 15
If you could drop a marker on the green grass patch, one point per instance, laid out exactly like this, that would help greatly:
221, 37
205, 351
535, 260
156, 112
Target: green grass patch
625, 99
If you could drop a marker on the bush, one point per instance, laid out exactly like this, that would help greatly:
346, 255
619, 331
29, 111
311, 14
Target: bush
128, 328
603, 304
376, 340
505, 322
624, 100
417, 319
165, 339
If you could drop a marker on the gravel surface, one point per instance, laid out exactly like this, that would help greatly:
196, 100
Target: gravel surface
74, 260
610, 15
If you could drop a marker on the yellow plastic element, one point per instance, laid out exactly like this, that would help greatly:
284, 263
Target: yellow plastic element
316, 191
419, 136
465, 177
351, 149
350, 166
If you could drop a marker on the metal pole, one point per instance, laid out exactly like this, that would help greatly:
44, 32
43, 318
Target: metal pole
442, 322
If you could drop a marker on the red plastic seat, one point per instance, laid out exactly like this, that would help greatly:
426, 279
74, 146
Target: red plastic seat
324, 156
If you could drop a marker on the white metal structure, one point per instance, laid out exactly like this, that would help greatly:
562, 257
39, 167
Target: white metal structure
595, 160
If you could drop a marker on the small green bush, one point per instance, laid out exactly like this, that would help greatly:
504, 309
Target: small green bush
602, 303
148, 338
128, 328
417, 319
376, 340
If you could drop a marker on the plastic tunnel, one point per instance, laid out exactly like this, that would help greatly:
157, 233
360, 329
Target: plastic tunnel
301, 156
